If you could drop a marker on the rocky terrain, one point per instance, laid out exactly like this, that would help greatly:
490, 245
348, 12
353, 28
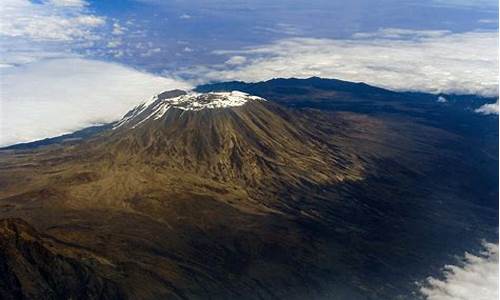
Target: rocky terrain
225, 195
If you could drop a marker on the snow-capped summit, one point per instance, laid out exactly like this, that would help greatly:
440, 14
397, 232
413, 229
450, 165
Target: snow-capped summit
197, 101
158, 105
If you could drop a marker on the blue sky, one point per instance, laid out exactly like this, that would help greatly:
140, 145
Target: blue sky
160, 36
187, 31
87, 62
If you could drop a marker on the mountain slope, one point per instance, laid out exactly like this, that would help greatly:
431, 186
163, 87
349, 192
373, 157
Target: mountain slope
227, 195
249, 143
37, 267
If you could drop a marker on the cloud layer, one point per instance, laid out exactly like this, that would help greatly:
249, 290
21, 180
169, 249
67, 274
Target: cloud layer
475, 279
52, 97
432, 61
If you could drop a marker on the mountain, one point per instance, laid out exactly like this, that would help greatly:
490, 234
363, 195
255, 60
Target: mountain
338, 95
224, 194
231, 137
34, 266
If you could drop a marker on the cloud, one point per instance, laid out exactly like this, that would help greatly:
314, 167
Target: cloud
150, 52
31, 31
22, 52
114, 43
488, 109
430, 61
398, 33
280, 28
77, 3
442, 99
55, 20
476, 278
185, 16
52, 97
118, 29
236, 60
487, 21
482, 4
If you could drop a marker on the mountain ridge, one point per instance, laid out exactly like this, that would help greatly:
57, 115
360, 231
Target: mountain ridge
262, 200
465, 103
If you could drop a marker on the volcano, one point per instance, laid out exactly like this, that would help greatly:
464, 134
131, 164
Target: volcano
202, 173
225, 194
230, 137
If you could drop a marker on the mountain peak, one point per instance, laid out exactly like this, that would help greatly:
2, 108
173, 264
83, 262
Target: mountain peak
158, 105
197, 101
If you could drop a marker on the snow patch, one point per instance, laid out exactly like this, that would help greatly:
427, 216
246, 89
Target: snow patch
155, 107
197, 101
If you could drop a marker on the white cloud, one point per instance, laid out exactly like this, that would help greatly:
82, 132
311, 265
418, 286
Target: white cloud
53, 97
118, 29
56, 20
236, 60
431, 61
398, 33
185, 16
488, 21
442, 99
280, 28
91, 21
114, 43
482, 4
150, 52
476, 278
77, 3
21, 52
488, 109
117, 53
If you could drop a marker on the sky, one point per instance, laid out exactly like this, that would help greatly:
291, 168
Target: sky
68, 64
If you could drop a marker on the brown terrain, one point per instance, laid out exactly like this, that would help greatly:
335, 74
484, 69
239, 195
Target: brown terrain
248, 202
